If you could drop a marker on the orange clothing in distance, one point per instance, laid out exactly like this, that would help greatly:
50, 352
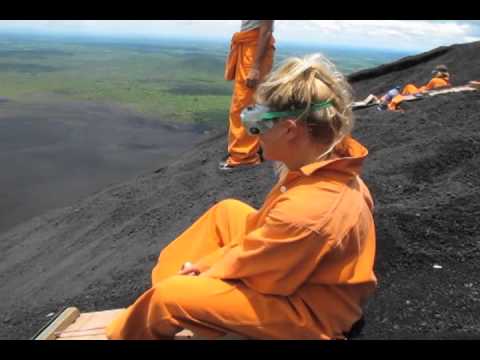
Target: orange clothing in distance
411, 89
435, 83
300, 267
243, 147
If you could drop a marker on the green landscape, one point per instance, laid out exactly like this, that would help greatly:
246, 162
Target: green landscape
175, 80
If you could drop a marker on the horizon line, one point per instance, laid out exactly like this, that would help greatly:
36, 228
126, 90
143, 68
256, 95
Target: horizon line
225, 40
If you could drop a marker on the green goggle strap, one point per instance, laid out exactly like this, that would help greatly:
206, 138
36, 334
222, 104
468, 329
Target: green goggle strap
278, 114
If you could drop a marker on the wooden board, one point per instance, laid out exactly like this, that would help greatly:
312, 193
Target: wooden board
61, 322
73, 325
88, 326
370, 100
451, 90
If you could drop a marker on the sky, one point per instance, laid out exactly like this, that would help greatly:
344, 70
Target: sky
403, 35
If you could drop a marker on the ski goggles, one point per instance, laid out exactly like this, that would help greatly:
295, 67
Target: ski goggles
442, 71
257, 119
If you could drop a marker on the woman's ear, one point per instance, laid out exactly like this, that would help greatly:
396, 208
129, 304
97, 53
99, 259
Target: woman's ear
291, 128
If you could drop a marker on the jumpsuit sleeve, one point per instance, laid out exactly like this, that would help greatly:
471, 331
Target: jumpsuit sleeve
435, 83
429, 86
276, 258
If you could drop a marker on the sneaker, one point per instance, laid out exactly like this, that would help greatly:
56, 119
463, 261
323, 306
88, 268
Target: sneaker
225, 166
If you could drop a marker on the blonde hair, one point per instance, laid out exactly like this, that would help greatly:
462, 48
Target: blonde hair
299, 83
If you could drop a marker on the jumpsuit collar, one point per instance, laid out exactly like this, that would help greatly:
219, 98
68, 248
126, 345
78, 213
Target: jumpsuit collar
349, 160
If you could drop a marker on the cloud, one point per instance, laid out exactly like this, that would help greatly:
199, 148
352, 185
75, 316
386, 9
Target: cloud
421, 34
392, 34
471, 38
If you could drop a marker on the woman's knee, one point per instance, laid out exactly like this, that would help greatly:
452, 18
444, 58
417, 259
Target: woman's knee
228, 203
231, 206
409, 89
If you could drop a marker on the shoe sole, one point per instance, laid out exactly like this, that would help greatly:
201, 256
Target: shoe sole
237, 167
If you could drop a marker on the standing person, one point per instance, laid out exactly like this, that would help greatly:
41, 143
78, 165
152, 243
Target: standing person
300, 267
250, 59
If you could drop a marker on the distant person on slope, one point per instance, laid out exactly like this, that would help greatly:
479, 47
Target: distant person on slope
381, 102
385, 99
440, 79
300, 267
250, 59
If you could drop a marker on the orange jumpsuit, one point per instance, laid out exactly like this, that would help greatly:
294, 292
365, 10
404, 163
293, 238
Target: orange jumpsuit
411, 89
300, 267
435, 83
243, 147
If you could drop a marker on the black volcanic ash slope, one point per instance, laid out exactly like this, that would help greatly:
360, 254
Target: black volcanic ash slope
462, 61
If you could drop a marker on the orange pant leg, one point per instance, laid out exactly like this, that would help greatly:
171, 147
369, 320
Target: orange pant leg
410, 89
222, 224
243, 147
211, 307
393, 105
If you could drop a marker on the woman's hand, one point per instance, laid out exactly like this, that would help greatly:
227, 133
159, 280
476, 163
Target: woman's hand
189, 269
253, 77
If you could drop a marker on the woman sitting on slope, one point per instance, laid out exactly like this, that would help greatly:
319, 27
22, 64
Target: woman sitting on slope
300, 267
